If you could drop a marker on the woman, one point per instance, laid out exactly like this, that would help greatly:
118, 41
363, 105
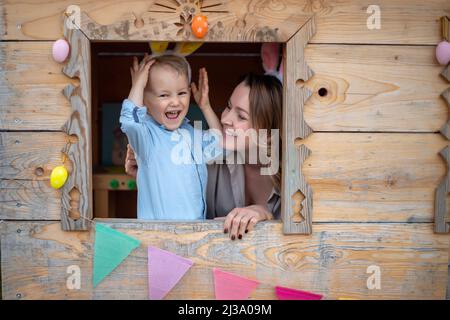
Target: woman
239, 192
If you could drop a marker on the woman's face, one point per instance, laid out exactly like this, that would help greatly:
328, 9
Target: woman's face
236, 120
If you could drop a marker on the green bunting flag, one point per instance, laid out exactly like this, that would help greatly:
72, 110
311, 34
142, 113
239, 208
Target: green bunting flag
111, 247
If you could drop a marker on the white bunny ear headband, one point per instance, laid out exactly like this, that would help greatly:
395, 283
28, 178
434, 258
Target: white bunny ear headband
270, 54
182, 49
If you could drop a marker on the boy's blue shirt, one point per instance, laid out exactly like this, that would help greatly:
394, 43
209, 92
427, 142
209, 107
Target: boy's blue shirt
172, 188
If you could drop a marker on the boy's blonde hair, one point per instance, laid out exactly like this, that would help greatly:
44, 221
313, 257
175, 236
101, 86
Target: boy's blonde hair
177, 63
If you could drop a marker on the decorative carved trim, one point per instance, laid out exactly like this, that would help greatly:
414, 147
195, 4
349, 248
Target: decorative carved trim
76, 194
253, 24
234, 21
441, 223
297, 201
445, 130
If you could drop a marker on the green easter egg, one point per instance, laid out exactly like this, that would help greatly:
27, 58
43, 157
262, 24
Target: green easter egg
131, 184
114, 184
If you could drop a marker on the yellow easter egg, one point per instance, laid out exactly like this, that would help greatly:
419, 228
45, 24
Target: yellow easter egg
58, 177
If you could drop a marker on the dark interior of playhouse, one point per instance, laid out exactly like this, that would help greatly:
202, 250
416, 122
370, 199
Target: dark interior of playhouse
115, 193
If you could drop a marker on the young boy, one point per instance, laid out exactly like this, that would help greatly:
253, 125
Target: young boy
153, 118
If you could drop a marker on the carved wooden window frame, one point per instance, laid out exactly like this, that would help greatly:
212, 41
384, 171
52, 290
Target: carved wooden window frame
162, 23
441, 220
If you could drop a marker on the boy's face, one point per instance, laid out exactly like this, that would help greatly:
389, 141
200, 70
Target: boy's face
167, 96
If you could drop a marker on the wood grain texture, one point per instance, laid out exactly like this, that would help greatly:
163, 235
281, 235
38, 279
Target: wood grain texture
445, 130
441, 218
76, 194
448, 284
237, 21
30, 87
294, 127
359, 177
30, 156
402, 22
26, 164
445, 25
343, 21
371, 88
28, 200
441, 210
332, 261
375, 88
376, 177
446, 72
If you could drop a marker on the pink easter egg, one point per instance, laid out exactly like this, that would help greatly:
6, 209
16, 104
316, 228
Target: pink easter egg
60, 50
443, 53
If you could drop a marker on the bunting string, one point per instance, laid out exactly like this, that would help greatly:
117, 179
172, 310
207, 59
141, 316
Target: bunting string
165, 269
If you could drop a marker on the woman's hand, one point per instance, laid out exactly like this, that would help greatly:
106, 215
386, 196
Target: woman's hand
242, 220
130, 162
201, 93
201, 97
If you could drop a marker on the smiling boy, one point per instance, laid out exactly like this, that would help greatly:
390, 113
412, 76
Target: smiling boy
153, 118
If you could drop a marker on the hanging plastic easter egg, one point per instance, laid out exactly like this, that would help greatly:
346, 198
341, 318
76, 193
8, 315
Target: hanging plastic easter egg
199, 26
443, 52
60, 50
58, 177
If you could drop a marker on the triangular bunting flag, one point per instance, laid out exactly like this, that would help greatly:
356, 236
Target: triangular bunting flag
292, 294
228, 286
111, 247
165, 269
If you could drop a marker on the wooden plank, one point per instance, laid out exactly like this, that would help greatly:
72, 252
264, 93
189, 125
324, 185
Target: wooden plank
402, 22
356, 177
371, 88
332, 261
441, 217
28, 200
374, 177
294, 188
237, 20
375, 88
76, 194
445, 130
70, 250
26, 162
243, 21
411, 22
448, 285
30, 156
30, 87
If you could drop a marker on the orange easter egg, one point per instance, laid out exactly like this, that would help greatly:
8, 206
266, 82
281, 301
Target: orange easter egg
199, 26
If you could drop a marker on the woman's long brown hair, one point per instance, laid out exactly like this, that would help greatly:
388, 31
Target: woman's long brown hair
266, 101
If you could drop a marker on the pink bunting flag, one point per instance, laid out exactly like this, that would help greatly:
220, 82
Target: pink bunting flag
292, 294
165, 269
229, 286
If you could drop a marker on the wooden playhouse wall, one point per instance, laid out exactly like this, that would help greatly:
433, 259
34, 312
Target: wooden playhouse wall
374, 166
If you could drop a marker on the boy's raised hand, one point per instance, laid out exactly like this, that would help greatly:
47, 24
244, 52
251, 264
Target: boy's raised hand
201, 93
139, 77
139, 71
